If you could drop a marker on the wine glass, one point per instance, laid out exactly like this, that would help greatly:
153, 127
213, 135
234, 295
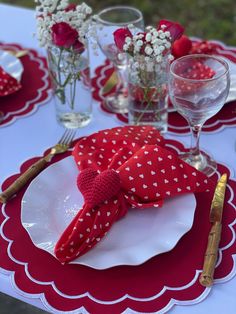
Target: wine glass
198, 87
107, 21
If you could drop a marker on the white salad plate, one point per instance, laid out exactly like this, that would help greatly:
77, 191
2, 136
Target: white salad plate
11, 64
52, 200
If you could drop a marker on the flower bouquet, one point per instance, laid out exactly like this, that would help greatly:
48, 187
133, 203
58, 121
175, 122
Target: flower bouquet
149, 55
62, 29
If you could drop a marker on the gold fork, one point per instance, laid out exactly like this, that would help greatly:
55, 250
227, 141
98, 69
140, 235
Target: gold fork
18, 53
62, 146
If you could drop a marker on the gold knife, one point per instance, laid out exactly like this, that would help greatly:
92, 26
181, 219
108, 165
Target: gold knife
207, 275
110, 83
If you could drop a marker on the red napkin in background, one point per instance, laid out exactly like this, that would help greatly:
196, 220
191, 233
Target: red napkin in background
184, 46
8, 84
194, 71
120, 168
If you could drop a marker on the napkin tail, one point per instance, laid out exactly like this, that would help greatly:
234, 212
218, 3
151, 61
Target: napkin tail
88, 228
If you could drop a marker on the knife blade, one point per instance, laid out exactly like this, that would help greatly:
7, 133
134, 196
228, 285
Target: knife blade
207, 275
110, 83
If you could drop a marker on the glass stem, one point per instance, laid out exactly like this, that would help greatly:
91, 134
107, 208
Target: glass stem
195, 131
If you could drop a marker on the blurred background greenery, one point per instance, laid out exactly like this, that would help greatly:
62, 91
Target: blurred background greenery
208, 19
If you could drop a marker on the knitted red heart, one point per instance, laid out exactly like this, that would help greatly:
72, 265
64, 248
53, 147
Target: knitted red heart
85, 180
97, 188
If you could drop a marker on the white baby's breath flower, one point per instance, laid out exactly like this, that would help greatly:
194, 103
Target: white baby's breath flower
120, 56
140, 36
125, 47
147, 59
148, 50
167, 34
131, 26
148, 37
168, 45
128, 40
162, 48
159, 58
139, 43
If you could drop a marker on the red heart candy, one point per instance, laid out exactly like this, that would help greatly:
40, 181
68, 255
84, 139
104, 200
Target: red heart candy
97, 188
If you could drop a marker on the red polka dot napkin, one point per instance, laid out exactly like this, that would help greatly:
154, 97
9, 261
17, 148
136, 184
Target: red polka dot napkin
122, 168
192, 70
8, 84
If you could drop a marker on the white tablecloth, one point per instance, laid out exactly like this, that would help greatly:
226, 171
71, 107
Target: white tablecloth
30, 136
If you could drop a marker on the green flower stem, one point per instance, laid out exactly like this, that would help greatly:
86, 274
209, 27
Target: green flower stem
146, 91
60, 80
72, 93
58, 66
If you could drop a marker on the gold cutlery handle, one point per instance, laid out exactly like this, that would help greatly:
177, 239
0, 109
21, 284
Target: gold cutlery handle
32, 171
207, 275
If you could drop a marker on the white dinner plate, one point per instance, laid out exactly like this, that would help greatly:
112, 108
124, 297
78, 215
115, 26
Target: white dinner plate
53, 199
11, 65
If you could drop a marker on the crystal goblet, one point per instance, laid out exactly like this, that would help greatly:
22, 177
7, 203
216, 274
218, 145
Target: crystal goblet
198, 88
107, 21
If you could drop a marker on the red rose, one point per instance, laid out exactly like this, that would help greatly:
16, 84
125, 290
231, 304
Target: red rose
120, 35
181, 47
63, 35
175, 29
78, 46
70, 7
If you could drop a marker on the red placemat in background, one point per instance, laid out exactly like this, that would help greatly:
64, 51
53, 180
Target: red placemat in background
35, 90
226, 117
167, 279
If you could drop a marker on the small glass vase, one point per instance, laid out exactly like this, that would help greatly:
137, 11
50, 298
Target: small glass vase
70, 76
147, 92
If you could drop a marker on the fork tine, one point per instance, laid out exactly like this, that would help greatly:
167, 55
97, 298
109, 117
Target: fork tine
71, 137
67, 137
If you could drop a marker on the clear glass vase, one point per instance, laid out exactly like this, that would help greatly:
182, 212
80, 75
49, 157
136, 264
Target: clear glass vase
147, 92
70, 76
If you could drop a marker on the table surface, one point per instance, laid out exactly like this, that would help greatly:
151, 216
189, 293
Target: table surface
26, 138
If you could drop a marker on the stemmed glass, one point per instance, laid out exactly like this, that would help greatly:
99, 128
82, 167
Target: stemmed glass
107, 21
198, 88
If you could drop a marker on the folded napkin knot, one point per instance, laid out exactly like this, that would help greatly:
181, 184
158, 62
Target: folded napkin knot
98, 187
122, 168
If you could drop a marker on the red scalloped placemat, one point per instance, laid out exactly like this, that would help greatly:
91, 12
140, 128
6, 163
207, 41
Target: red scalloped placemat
176, 123
35, 89
158, 284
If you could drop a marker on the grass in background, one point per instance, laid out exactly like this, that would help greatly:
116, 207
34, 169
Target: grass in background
208, 19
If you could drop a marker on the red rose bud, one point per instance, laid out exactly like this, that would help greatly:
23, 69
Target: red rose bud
70, 7
175, 29
181, 47
63, 35
78, 46
120, 35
